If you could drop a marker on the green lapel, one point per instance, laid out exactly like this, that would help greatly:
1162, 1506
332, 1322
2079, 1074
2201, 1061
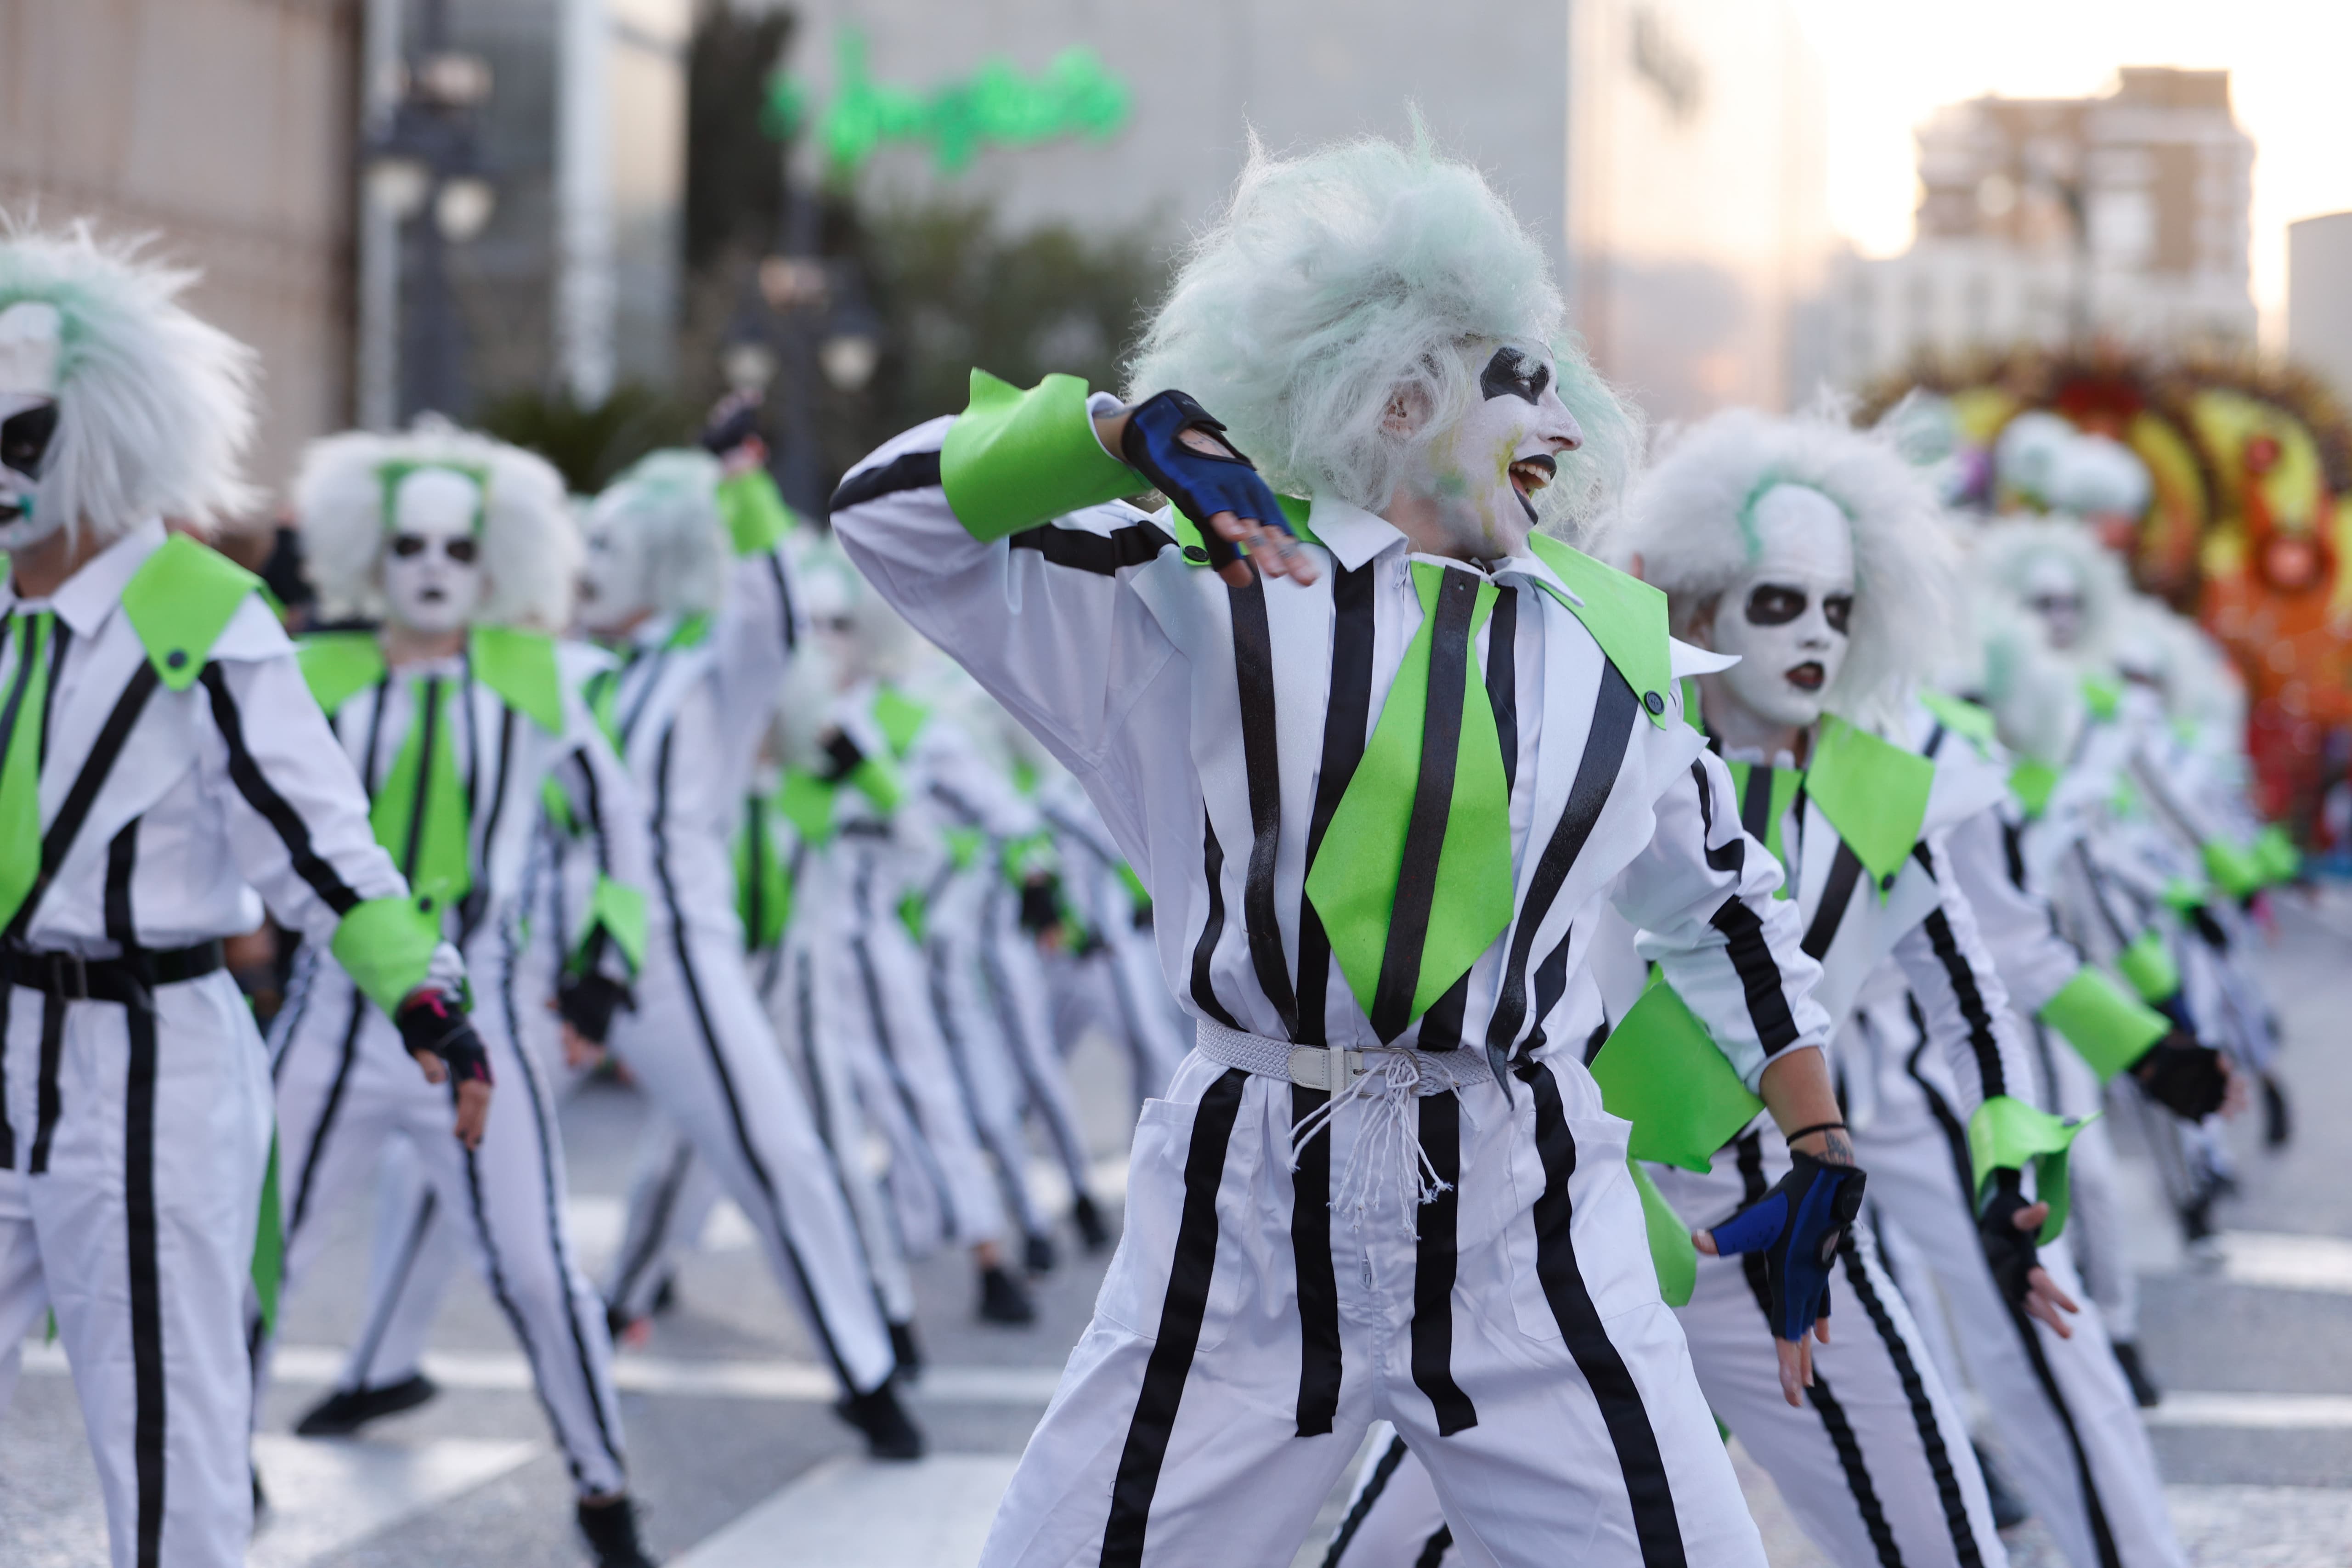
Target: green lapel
1962, 718
806, 802
521, 667
1874, 792
1625, 615
339, 666
900, 718
180, 601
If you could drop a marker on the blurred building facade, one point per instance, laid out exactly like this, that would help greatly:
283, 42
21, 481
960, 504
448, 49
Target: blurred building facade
2319, 299
2127, 216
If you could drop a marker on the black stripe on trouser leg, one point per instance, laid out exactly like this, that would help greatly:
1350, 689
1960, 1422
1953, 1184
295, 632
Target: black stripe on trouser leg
1345, 718
47, 1102
386, 1307
1923, 1409
299, 1209
1955, 1136
1433, 801
1433, 1550
1383, 1470
1837, 892
1644, 1467
1261, 763
1212, 925
494, 1275
140, 1224
1318, 1288
1759, 973
1181, 1312
870, 983
1839, 1429
1433, 1269
655, 1231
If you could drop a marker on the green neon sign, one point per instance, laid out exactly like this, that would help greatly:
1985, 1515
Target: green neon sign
997, 105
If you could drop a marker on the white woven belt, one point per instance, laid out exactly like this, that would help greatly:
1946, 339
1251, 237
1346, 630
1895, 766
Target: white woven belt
1389, 1079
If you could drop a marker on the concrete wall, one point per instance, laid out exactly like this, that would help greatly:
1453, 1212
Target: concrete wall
223, 128
2319, 298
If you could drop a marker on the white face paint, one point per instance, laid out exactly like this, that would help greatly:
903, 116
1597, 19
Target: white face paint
2054, 594
29, 341
612, 594
1787, 617
432, 561
1481, 472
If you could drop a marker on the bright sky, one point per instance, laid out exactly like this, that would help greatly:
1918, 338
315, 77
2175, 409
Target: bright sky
1889, 62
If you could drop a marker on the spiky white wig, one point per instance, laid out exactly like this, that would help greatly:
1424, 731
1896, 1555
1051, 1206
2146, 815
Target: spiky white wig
1689, 522
1341, 281
666, 502
2006, 557
155, 408
529, 550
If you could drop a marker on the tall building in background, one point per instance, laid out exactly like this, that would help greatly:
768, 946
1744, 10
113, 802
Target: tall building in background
2319, 299
2041, 220
223, 129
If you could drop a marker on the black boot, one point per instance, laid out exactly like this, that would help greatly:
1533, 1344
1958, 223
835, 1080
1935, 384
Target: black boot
2145, 1391
2008, 1510
1001, 1299
889, 1434
910, 1354
346, 1410
1037, 1253
2278, 1123
612, 1532
1089, 1220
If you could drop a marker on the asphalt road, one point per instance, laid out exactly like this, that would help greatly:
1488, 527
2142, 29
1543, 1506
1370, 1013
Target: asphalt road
727, 1422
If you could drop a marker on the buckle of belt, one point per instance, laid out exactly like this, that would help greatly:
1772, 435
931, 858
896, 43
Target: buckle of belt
1313, 1067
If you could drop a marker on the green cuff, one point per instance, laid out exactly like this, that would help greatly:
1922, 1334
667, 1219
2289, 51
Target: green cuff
2031, 783
2182, 894
616, 911
756, 516
2232, 868
2107, 1028
1014, 459
2275, 854
2148, 965
2005, 1133
386, 946
1671, 1251
1661, 1071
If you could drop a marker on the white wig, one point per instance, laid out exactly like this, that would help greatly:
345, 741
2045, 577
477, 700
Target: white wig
155, 407
529, 550
2008, 553
1690, 522
667, 503
1341, 280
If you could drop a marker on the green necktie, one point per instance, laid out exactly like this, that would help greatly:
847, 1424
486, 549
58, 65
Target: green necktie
1414, 878
420, 813
21, 721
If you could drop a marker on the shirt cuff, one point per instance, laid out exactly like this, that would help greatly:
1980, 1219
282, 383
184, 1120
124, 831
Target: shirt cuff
1014, 459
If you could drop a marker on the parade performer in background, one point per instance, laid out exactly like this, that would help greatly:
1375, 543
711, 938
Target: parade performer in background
458, 718
1378, 777
159, 761
689, 583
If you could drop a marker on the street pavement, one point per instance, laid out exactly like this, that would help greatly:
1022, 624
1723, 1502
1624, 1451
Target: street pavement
736, 1459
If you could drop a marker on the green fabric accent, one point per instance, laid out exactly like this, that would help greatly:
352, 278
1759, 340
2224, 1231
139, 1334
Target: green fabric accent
521, 667
602, 693
2182, 894
763, 877
1961, 717
2102, 697
269, 1243
1030, 855
2005, 1133
756, 516
1874, 792
2107, 1028
386, 945
432, 850
389, 476
1786, 782
805, 800
691, 632
20, 768
1354, 887
2031, 783
1661, 1071
1625, 615
1672, 1252
964, 845
180, 601
912, 911
558, 807
1195, 547
339, 666
1137, 893
1025, 777
2148, 965
1693, 707
2233, 868
1014, 459
2275, 854
616, 911
879, 781
900, 718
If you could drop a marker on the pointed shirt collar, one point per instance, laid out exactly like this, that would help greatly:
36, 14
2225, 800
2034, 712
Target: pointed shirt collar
85, 599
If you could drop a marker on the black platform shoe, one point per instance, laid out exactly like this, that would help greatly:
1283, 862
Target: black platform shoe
346, 1410
1092, 1230
904, 1346
1037, 1253
889, 1432
611, 1528
1001, 1298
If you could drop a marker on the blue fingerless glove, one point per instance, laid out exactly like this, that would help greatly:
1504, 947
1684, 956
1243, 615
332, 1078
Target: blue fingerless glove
1799, 1226
1199, 485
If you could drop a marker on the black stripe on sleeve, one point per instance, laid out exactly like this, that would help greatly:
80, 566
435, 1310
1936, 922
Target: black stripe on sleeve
1962, 978
906, 471
1923, 1409
1731, 858
1318, 1288
263, 797
1102, 555
1848, 1447
1837, 893
1261, 763
148, 1418
1642, 1466
1345, 720
1212, 926
1435, 1265
1760, 974
1756, 803
1182, 1311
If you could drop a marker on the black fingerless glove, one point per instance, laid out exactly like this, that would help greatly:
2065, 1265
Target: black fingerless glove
1041, 904
2184, 1076
1799, 1226
431, 1022
2009, 1250
1199, 485
734, 420
587, 1002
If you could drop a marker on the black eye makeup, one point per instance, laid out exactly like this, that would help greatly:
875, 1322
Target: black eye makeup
405, 545
1513, 373
1838, 609
25, 440
1773, 605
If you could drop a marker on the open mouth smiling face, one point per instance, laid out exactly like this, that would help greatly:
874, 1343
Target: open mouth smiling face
31, 339
1486, 470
